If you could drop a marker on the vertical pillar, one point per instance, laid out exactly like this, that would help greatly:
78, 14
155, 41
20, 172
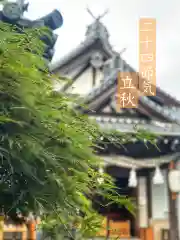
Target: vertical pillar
178, 202
136, 218
142, 202
173, 219
32, 230
107, 228
1, 227
149, 197
24, 233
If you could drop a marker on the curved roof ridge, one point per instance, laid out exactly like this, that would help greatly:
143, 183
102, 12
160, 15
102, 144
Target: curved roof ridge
95, 30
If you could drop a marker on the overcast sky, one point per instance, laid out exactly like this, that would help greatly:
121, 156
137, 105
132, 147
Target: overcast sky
122, 24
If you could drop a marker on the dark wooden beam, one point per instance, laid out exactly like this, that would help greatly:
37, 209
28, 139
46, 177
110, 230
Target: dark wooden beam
94, 73
137, 227
173, 217
149, 195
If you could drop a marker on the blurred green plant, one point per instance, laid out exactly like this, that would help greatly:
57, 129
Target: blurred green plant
48, 162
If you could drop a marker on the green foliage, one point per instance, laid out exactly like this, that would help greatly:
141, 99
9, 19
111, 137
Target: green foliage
48, 165
47, 158
42, 137
119, 139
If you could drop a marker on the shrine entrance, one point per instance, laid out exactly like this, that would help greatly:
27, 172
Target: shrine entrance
121, 176
118, 216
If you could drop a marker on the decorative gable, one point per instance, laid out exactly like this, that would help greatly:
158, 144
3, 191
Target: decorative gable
94, 66
83, 84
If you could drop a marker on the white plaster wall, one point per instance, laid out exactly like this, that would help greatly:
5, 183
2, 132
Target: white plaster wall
58, 85
142, 195
99, 77
178, 202
83, 84
160, 205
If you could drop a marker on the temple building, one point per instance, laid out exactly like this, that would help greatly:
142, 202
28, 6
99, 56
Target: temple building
140, 168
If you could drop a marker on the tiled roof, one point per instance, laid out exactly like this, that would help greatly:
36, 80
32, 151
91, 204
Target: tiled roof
170, 111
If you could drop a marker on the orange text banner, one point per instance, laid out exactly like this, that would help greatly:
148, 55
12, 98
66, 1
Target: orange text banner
147, 56
127, 90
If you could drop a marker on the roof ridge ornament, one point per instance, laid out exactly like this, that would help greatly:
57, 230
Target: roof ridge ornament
97, 28
13, 11
100, 16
